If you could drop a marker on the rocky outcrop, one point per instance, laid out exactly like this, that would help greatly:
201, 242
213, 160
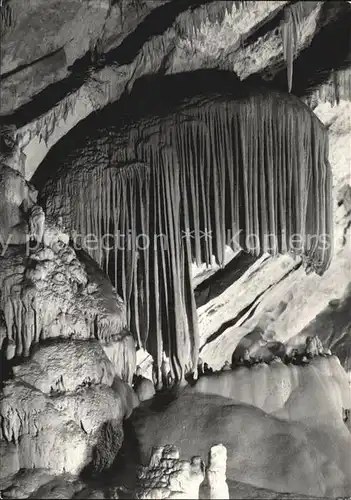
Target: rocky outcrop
51, 44
224, 35
46, 413
272, 301
64, 346
48, 294
42, 435
64, 365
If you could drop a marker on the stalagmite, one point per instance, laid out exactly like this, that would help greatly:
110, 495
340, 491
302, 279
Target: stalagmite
250, 171
216, 472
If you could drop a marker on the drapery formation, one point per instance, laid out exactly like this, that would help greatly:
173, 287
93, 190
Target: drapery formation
171, 190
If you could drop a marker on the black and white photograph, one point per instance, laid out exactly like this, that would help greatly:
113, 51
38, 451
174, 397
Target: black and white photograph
175, 249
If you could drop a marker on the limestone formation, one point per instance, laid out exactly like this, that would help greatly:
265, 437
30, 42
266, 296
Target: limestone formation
57, 424
62, 407
49, 291
144, 388
226, 367
169, 477
316, 390
166, 373
216, 472
184, 172
314, 347
311, 347
193, 422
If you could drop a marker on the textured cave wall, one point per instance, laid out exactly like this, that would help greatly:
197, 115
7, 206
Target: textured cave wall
50, 87
74, 59
144, 39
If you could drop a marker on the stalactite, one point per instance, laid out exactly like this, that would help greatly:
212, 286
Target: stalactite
6, 16
257, 165
294, 15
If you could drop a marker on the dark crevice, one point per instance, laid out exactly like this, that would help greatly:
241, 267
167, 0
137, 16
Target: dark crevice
32, 63
82, 427
251, 309
217, 283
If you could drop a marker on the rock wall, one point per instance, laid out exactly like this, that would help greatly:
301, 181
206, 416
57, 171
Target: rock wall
62, 327
131, 40
262, 450
94, 67
54, 410
288, 391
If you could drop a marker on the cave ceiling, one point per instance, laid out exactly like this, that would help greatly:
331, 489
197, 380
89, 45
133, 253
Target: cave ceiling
60, 63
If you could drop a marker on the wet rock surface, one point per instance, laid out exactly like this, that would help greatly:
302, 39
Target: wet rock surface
169, 477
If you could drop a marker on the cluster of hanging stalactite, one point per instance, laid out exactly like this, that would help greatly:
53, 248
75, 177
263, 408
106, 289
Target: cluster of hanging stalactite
214, 12
6, 16
26, 322
218, 172
335, 89
31, 313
